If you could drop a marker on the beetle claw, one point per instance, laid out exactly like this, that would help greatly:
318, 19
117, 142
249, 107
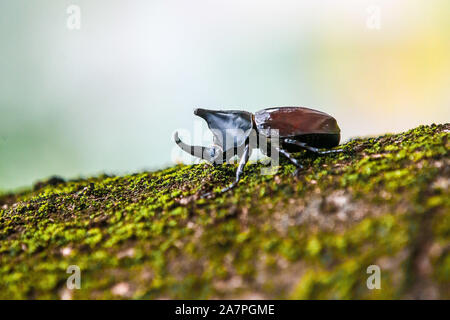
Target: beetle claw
334, 151
297, 171
207, 195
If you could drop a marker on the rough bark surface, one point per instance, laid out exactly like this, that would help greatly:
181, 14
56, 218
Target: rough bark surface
384, 201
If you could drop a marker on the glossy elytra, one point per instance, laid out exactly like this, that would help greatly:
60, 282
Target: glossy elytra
298, 129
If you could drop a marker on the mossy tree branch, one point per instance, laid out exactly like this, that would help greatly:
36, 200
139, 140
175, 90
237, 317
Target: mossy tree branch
384, 201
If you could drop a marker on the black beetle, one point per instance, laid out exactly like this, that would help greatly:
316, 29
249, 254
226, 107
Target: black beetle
298, 129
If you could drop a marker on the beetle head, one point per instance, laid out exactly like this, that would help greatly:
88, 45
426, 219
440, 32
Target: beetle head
230, 128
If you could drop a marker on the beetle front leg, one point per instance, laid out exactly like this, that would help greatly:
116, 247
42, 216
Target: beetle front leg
292, 159
240, 170
309, 148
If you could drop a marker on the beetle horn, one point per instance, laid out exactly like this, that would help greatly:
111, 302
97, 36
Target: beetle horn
198, 111
197, 151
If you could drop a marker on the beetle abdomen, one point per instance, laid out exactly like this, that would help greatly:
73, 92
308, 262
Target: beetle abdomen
296, 121
316, 140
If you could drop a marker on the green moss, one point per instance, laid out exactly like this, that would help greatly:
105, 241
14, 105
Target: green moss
383, 201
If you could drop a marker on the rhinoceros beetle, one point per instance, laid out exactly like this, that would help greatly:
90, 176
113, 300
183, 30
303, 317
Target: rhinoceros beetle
297, 128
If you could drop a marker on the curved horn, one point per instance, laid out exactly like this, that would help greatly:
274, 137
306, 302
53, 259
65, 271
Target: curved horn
197, 151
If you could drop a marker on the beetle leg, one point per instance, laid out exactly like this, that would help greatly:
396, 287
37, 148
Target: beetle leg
240, 170
312, 149
292, 159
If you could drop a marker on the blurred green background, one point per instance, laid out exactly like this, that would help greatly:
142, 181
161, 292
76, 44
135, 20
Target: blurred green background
107, 97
